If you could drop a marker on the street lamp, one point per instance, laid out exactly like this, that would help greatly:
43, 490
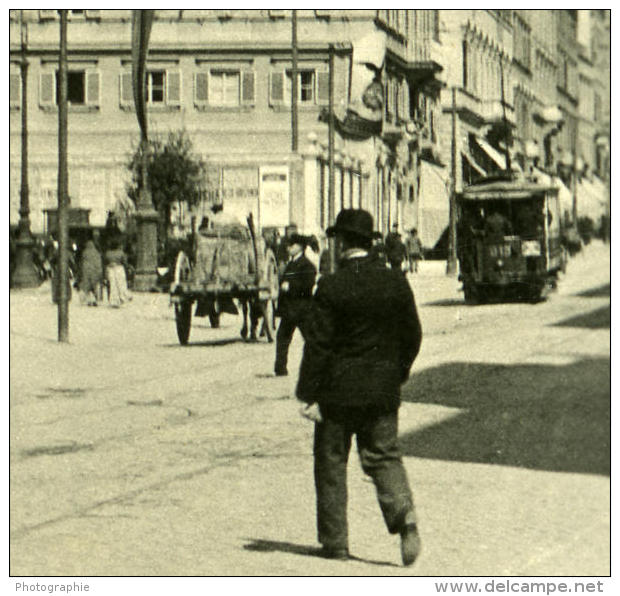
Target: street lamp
25, 274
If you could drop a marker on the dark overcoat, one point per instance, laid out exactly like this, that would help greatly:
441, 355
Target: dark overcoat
362, 336
300, 274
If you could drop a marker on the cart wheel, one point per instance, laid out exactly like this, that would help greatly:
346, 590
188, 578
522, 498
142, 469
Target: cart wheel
183, 317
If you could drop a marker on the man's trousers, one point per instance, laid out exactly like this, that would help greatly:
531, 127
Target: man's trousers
377, 444
284, 336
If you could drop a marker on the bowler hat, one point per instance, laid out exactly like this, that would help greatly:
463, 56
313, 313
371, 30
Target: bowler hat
298, 239
353, 221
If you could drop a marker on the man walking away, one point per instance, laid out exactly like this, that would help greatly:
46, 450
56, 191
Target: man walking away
294, 298
362, 336
414, 250
395, 249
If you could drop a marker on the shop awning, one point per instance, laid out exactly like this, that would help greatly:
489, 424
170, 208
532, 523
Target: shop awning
434, 203
590, 203
494, 154
472, 163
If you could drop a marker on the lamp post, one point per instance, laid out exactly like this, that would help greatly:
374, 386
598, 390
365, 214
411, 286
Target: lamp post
294, 123
146, 216
452, 239
63, 196
25, 274
331, 202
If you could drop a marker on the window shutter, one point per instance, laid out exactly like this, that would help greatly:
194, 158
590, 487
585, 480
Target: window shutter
173, 87
401, 101
47, 14
126, 90
322, 87
201, 88
93, 85
15, 90
47, 87
93, 14
248, 92
276, 88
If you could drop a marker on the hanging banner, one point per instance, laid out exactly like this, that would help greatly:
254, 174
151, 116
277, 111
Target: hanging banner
363, 116
140, 32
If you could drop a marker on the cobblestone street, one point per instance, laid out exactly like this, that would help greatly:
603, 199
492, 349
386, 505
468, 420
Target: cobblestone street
133, 455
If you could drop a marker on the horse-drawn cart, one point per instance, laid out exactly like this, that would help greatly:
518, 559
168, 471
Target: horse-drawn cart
229, 264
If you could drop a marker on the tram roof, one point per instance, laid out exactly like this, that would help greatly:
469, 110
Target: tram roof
505, 187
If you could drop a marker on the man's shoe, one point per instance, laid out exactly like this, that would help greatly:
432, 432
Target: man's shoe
409, 542
339, 554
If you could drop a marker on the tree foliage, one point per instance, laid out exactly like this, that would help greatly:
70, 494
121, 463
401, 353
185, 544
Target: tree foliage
174, 172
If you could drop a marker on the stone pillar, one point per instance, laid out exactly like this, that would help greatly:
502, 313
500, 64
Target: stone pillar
312, 186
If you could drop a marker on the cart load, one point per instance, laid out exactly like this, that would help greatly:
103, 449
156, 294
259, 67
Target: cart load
229, 263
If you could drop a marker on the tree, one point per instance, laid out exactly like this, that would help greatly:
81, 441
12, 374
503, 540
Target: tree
174, 174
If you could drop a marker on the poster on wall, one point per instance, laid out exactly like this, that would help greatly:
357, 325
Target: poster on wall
274, 196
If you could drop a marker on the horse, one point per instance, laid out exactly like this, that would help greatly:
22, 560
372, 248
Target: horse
257, 309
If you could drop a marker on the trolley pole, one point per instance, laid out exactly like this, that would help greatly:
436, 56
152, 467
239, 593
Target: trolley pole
294, 122
331, 216
25, 274
451, 262
63, 231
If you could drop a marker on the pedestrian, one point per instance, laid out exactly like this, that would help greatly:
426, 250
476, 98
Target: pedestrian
377, 250
497, 225
91, 274
282, 254
294, 298
395, 249
414, 250
362, 336
116, 260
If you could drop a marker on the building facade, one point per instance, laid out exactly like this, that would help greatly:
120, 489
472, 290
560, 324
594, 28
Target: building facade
463, 94
224, 76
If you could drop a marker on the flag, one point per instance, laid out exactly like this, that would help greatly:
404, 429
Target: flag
362, 117
140, 32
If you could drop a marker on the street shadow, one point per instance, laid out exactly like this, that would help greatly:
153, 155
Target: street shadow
603, 291
554, 418
271, 546
202, 344
596, 319
445, 302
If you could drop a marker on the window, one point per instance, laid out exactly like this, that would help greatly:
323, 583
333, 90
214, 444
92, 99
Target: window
224, 88
76, 91
597, 107
312, 87
83, 88
155, 87
465, 65
163, 88
521, 41
47, 14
